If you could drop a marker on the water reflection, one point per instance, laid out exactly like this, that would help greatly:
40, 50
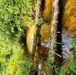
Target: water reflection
66, 44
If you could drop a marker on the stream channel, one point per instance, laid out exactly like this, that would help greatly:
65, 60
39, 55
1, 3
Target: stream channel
65, 47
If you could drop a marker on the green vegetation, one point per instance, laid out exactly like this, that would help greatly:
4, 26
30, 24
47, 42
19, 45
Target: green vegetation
72, 64
74, 44
14, 16
39, 21
69, 68
72, 67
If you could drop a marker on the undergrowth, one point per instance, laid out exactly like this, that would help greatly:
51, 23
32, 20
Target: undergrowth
14, 17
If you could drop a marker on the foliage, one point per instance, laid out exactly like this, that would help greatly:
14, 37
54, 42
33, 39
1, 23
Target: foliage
72, 67
48, 9
69, 69
74, 44
72, 64
14, 17
69, 13
13, 60
39, 21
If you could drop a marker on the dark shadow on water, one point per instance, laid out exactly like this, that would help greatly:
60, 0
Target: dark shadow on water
59, 37
59, 60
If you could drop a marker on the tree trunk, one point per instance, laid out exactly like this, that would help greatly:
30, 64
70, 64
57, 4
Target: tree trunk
34, 67
53, 36
37, 26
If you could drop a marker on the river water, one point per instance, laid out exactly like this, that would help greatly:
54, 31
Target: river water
66, 47
66, 43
